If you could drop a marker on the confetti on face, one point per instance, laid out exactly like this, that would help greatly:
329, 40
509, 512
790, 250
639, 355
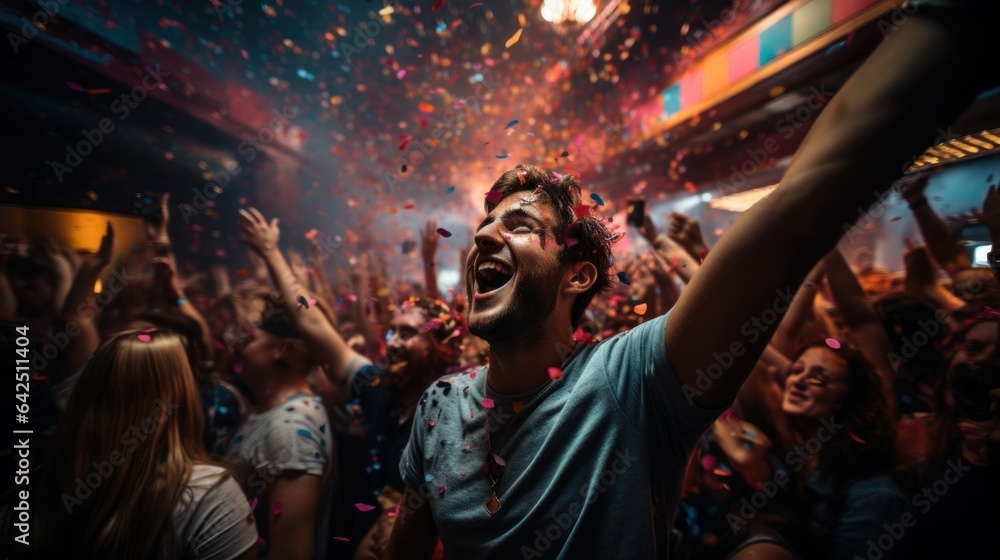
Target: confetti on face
513, 38
510, 124
640, 309
597, 198
364, 507
443, 232
555, 373
488, 403
833, 343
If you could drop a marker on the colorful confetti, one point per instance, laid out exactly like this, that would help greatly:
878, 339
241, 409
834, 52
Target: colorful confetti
514, 38
555, 373
833, 343
488, 402
510, 124
597, 198
443, 232
640, 309
364, 507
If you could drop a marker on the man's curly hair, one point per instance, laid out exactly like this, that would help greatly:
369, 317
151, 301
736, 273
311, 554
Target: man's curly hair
581, 235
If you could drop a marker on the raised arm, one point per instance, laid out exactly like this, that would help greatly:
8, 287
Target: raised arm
937, 235
917, 80
859, 316
686, 231
317, 333
428, 250
78, 314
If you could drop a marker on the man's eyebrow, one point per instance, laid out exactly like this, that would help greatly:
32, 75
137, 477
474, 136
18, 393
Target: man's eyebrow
509, 213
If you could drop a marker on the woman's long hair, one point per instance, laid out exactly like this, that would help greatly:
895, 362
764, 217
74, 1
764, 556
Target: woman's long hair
123, 453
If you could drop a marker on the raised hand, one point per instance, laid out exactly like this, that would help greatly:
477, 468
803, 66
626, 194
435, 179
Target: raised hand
429, 241
156, 230
260, 235
648, 229
913, 190
686, 231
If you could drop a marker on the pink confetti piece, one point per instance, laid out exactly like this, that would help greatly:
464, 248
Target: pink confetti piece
570, 241
472, 374
555, 373
253, 504
494, 197
144, 337
342, 539
857, 439
276, 508
364, 507
441, 490
238, 367
833, 343
709, 462
443, 232
498, 460
488, 403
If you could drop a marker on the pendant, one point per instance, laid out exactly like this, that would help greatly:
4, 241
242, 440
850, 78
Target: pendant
493, 504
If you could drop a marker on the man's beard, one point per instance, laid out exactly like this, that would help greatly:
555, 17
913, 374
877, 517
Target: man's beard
522, 322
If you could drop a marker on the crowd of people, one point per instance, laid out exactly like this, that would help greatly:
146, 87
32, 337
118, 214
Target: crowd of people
736, 401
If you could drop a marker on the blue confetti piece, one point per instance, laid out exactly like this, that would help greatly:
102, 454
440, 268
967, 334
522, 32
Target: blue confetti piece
503, 156
428, 477
305, 433
223, 410
450, 190
510, 124
623, 278
597, 198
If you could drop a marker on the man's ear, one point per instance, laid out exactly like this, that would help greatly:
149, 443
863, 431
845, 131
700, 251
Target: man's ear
579, 277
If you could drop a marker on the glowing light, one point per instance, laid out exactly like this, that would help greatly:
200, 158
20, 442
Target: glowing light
568, 11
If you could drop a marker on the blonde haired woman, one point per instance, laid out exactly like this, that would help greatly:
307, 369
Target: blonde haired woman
127, 475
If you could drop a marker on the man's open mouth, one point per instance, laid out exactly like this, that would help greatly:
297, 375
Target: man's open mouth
491, 276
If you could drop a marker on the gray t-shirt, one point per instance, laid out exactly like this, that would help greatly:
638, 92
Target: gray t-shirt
594, 464
213, 520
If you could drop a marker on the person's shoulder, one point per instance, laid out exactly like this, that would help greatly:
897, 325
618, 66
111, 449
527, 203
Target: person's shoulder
874, 486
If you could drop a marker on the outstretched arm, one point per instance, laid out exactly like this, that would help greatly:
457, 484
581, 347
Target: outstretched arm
856, 148
317, 333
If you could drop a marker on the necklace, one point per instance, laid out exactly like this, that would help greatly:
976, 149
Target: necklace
494, 463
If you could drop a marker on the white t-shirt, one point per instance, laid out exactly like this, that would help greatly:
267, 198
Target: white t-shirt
213, 520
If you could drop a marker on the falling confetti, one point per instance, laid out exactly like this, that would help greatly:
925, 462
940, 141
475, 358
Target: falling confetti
276, 508
443, 232
364, 507
597, 198
144, 337
488, 402
624, 279
510, 124
895, 218
833, 343
342, 539
555, 373
425, 107
450, 190
514, 38
438, 4
857, 439
503, 156
640, 309
303, 302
